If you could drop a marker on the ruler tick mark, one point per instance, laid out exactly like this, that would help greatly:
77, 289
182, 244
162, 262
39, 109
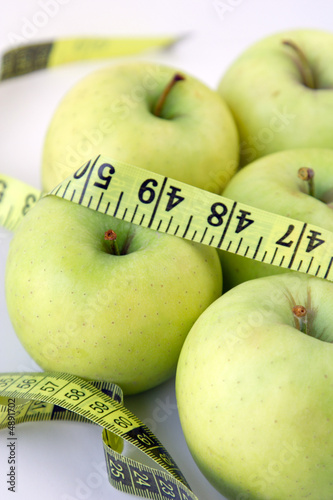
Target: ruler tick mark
169, 224
203, 235
134, 213
328, 268
297, 245
257, 248
118, 204
64, 193
239, 245
87, 179
227, 224
107, 208
99, 201
188, 226
310, 264
157, 201
274, 255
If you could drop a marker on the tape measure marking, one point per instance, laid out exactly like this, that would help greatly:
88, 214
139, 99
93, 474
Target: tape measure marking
16, 198
163, 204
32, 57
59, 396
166, 205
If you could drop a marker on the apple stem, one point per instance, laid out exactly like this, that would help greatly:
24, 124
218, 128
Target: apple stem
300, 314
160, 103
302, 64
111, 236
307, 175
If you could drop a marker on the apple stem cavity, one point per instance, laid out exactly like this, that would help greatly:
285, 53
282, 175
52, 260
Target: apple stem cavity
111, 236
307, 175
160, 103
302, 64
301, 315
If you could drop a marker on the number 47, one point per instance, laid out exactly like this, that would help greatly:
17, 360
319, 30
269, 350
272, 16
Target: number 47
313, 243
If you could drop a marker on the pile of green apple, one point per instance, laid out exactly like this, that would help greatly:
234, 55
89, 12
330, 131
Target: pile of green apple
254, 365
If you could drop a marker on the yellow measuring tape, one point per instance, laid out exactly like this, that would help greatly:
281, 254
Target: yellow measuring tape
151, 200
28, 58
60, 396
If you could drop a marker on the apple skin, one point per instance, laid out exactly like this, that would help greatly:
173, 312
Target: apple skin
77, 308
276, 187
110, 112
255, 394
271, 106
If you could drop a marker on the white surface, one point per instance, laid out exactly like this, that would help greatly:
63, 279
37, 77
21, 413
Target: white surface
64, 461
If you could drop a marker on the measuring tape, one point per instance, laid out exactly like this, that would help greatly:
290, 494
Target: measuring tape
60, 396
32, 57
153, 201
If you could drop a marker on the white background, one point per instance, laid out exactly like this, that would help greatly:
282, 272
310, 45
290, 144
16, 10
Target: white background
64, 461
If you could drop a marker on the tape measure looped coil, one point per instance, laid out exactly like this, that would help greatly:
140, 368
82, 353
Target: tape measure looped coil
61, 396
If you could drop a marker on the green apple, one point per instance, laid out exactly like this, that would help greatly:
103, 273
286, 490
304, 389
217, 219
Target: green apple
78, 307
146, 114
272, 183
254, 389
280, 91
